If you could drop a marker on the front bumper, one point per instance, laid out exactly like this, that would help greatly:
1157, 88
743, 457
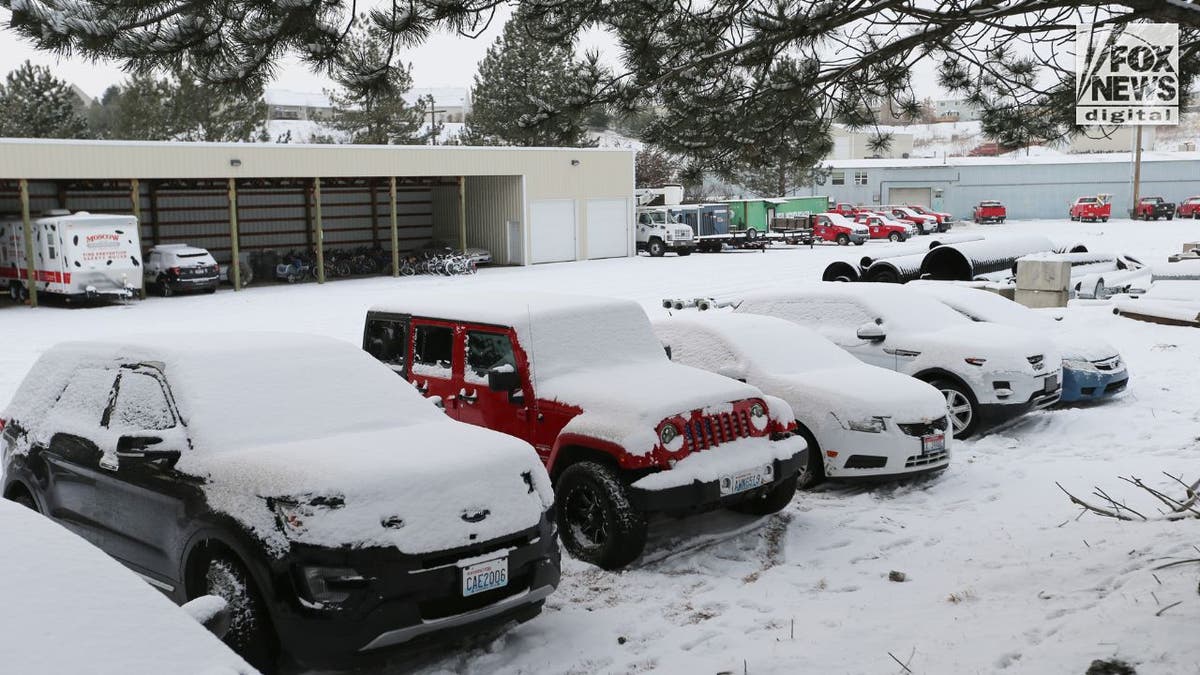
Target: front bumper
1091, 385
995, 413
704, 494
407, 600
890, 453
859, 237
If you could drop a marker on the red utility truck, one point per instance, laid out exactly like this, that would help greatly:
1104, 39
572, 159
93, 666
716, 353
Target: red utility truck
623, 431
1153, 208
1098, 208
989, 211
838, 228
1189, 208
880, 226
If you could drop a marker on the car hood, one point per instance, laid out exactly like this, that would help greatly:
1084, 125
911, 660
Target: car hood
421, 488
1004, 347
624, 404
1078, 345
856, 392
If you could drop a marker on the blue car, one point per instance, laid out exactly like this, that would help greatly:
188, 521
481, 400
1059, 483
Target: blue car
1092, 368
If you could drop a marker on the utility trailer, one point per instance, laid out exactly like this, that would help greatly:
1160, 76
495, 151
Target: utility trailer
77, 256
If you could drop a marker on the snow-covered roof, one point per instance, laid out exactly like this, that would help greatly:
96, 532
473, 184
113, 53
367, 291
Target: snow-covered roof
104, 618
1088, 158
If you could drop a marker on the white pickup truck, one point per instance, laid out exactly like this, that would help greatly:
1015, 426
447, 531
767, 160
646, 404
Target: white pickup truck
659, 231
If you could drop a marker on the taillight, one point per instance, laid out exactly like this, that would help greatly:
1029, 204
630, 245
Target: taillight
3, 422
174, 270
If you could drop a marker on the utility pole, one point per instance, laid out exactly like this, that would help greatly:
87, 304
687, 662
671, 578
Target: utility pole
1137, 170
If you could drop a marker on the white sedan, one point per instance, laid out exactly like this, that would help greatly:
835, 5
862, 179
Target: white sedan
69, 608
860, 421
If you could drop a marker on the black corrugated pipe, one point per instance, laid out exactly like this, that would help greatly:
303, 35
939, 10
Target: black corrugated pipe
964, 262
895, 270
841, 271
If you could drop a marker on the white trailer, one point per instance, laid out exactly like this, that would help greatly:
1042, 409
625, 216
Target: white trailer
78, 256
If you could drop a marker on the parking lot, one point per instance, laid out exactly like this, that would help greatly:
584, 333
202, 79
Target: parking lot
1000, 573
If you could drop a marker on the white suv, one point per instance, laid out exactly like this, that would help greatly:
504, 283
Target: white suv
987, 372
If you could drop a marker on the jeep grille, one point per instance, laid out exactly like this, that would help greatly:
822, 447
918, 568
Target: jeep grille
712, 430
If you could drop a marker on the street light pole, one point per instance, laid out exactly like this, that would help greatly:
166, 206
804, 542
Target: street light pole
1137, 169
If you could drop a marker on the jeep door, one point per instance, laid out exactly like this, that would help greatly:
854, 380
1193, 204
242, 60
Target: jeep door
433, 370
486, 349
141, 503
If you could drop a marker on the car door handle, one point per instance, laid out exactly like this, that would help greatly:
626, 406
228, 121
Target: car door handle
468, 398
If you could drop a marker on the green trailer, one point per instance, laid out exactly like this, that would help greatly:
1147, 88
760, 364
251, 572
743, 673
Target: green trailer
758, 213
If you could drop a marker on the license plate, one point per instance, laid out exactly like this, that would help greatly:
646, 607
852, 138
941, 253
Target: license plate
741, 482
485, 576
1051, 384
933, 444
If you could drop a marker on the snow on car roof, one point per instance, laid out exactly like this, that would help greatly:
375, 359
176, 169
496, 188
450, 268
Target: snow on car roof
983, 305
773, 343
83, 612
894, 303
240, 389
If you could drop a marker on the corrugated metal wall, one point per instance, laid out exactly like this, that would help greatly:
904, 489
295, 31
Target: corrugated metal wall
492, 201
445, 214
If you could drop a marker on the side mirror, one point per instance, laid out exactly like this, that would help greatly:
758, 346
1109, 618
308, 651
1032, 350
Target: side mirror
504, 380
872, 332
212, 612
137, 449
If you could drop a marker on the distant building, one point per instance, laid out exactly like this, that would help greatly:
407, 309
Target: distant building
955, 110
1111, 139
848, 144
450, 104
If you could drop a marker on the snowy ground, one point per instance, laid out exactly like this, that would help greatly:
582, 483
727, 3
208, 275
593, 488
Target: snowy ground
1001, 574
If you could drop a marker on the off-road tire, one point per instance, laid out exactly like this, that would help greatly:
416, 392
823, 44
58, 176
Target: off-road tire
963, 396
772, 501
656, 248
250, 633
592, 495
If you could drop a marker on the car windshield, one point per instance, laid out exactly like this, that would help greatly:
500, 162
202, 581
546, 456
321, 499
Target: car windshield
791, 348
982, 305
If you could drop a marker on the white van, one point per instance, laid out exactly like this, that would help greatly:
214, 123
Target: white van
79, 255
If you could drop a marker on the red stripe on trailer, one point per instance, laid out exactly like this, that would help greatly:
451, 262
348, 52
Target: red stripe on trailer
41, 275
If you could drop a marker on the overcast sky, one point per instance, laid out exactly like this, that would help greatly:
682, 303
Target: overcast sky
445, 60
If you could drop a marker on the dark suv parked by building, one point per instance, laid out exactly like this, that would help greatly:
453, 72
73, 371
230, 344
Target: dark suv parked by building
336, 510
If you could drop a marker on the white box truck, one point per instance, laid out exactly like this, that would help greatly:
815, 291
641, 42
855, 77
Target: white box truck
75, 255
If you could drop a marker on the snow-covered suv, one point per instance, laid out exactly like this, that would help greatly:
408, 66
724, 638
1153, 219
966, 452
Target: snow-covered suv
987, 372
334, 509
623, 430
860, 421
179, 268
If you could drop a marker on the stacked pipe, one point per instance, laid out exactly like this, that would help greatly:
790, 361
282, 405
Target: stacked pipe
965, 261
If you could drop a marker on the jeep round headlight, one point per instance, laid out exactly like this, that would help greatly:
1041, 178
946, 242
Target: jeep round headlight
757, 410
668, 433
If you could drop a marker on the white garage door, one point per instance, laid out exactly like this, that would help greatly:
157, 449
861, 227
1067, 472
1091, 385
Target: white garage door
552, 230
908, 195
607, 228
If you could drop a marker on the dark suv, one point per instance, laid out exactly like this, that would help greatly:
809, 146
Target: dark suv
335, 510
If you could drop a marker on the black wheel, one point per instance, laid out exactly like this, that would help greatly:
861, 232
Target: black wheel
656, 248
963, 408
895, 236
1170, 217
1104, 219
16, 291
683, 252
843, 240
212, 290
164, 289
596, 519
772, 501
25, 499
250, 632
813, 473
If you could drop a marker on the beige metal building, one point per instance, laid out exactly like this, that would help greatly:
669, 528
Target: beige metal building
525, 205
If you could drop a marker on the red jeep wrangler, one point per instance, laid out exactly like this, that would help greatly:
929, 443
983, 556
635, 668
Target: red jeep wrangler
882, 227
839, 228
1189, 208
989, 211
623, 431
1091, 208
